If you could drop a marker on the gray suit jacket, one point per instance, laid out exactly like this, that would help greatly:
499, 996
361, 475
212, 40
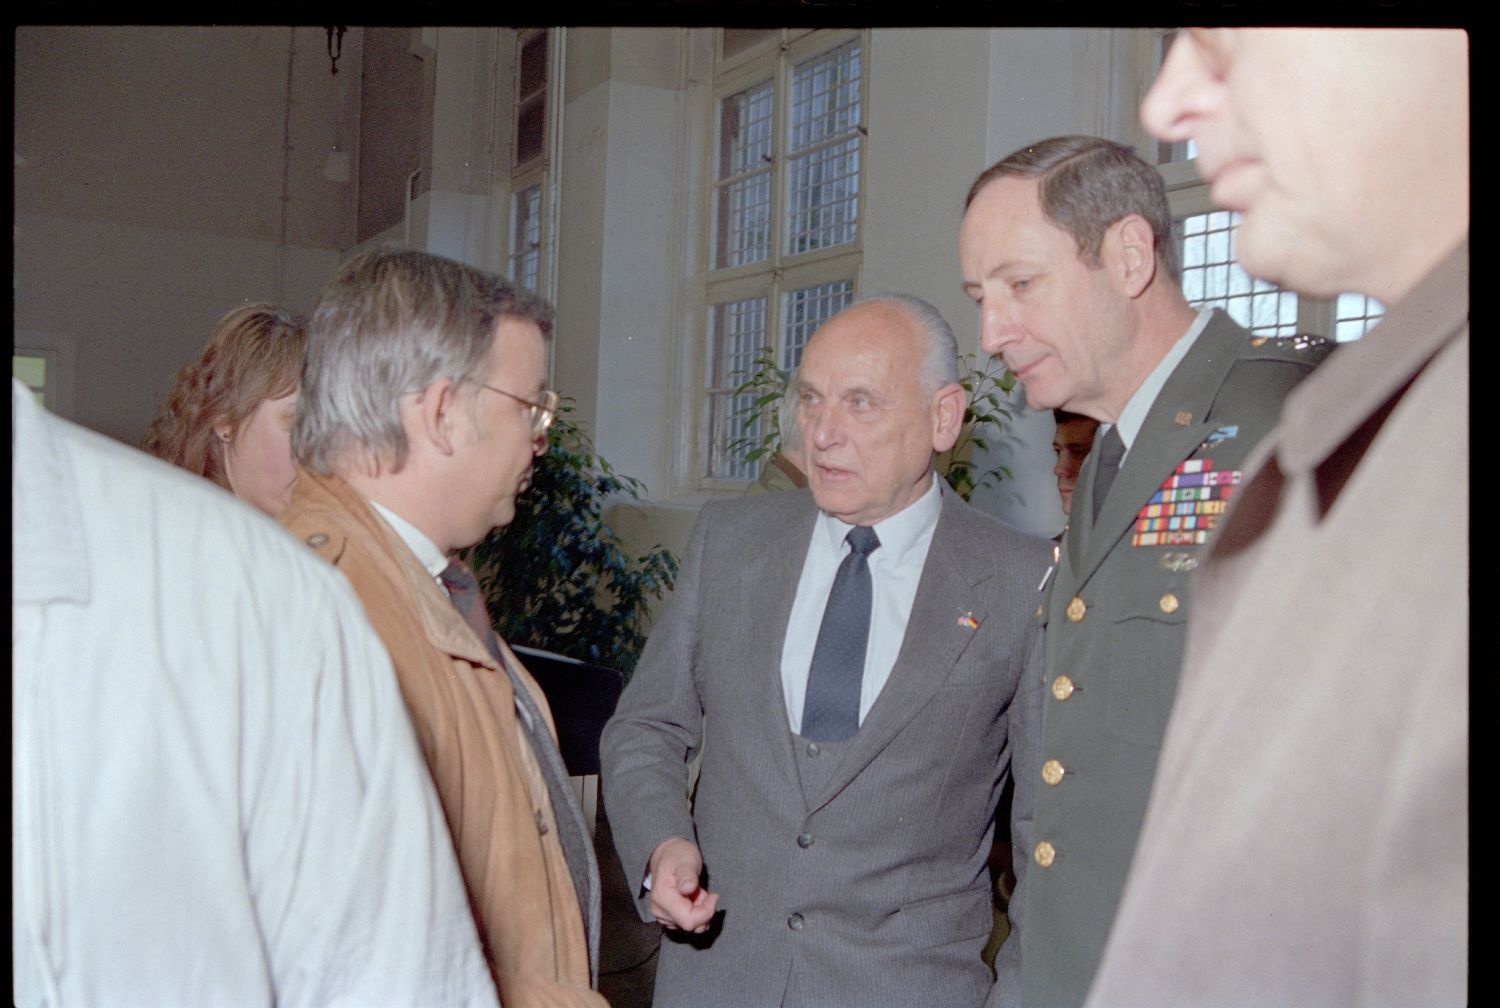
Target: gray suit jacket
1307, 841
885, 869
1117, 610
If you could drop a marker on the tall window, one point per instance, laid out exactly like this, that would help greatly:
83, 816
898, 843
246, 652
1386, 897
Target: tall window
785, 249
1211, 275
527, 230
526, 235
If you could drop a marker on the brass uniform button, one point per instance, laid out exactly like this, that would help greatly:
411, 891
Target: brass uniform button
1038, 612
1062, 687
1044, 854
1052, 771
1258, 341
1076, 609
1169, 603
317, 540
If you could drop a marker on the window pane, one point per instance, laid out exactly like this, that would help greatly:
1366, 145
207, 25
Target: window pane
531, 129
744, 233
526, 236
823, 151
807, 308
737, 334
533, 76
1354, 315
825, 97
824, 186
745, 159
1210, 276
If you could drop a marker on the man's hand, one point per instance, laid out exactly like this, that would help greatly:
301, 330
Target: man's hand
677, 900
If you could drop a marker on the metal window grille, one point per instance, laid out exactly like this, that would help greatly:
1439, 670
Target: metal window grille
823, 151
1211, 276
738, 335
526, 236
1354, 315
804, 310
744, 188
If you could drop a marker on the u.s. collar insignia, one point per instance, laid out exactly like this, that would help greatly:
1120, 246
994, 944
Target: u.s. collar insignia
1177, 562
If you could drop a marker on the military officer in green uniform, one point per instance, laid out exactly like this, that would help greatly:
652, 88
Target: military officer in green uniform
1066, 246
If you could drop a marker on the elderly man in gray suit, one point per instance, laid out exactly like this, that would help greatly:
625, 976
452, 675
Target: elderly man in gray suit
845, 657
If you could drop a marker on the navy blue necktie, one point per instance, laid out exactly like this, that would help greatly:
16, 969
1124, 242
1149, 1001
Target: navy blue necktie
830, 711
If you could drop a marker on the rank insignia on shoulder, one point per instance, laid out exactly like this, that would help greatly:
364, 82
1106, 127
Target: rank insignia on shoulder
1299, 341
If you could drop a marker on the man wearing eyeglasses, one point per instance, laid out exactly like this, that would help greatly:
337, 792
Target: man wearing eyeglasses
422, 407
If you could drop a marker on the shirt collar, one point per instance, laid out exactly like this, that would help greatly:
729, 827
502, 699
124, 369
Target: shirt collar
426, 550
48, 548
898, 533
1139, 403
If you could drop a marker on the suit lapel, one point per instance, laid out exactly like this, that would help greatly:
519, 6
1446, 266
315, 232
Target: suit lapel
935, 640
773, 574
1173, 429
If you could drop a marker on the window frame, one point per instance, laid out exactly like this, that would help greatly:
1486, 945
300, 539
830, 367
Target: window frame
780, 273
537, 170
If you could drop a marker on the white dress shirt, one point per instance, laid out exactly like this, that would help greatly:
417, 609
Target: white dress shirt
217, 797
895, 569
432, 559
1144, 397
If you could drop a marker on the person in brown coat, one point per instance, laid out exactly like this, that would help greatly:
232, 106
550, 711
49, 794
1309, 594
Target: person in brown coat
423, 404
1306, 842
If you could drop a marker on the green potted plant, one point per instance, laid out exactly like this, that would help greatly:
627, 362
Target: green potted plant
557, 577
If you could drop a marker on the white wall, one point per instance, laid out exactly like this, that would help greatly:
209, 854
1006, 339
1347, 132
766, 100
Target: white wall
622, 222
162, 177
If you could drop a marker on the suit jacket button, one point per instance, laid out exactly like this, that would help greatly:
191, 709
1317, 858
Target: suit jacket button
1169, 603
1052, 771
1045, 854
795, 922
1062, 688
805, 840
1076, 609
812, 749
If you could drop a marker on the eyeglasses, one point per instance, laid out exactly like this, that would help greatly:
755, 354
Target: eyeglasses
542, 413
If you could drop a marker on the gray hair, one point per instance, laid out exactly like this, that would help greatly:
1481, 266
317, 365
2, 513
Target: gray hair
786, 414
390, 323
940, 361
1087, 184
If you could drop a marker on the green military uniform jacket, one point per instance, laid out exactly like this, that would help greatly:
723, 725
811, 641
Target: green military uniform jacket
1116, 610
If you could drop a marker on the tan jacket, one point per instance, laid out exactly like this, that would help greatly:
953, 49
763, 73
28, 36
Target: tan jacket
463, 709
1307, 840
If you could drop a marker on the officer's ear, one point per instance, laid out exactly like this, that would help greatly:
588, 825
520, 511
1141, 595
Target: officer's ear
1128, 252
